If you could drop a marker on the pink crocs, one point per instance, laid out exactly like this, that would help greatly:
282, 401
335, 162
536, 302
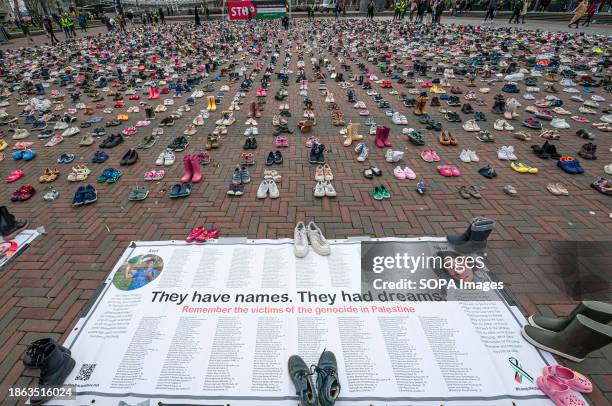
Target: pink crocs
574, 380
558, 392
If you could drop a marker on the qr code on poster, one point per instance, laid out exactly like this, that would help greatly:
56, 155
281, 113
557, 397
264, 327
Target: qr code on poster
85, 372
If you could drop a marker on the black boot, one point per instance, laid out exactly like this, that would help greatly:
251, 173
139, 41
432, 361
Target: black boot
579, 338
34, 353
328, 384
360, 81
55, 366
149, 112
475, 237
598, 311
8, 223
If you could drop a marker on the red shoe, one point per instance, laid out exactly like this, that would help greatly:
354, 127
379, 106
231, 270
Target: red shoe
15, 176
134, 97
385, 137
188, 167
378, 141
196, 175
214, 233
195, 233
203, 237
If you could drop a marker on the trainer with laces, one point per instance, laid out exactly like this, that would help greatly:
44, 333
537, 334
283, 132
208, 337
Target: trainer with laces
317, 240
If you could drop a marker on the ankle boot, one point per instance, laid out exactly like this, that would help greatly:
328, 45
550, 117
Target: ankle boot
8, 223
385, 139
187, 167
196, 170
475, 237
312, 156
578, 339
349, 136
55, 366
356, 136
421, 101
600, 312
378, 141
360, 81
35, 351
328, 383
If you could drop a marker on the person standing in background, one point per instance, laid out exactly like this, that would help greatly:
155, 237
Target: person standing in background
162, 17
370, 10
516, 11
579, 13
526, 4
491, 10
590, 12
48, 24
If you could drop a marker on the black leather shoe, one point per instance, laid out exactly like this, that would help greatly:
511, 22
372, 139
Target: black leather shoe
130, 157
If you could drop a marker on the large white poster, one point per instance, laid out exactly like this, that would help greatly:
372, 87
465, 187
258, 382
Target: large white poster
216, 323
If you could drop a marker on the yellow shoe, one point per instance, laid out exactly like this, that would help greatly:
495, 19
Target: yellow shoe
3, 145
522, 168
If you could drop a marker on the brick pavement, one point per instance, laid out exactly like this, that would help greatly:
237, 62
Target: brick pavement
42, 292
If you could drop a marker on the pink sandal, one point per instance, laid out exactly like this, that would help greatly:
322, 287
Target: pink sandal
558, 392
573, 379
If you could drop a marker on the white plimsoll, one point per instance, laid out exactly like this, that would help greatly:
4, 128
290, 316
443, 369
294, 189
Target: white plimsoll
473, 156
559, 123
300, 240
273, 189
317, 240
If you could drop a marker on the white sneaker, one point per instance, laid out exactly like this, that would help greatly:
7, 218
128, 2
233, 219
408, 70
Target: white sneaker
262, 191
248, 131
577, 98
329, 189
300, 240
473, 156
465, 156
559, 123
510, 153
254, 131
273, 189
317, 240
169, 157
319, 189
528, 96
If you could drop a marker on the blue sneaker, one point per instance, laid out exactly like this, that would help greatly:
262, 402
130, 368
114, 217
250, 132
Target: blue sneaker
245, 175
89, 195
28, 155
78, 199
237, 176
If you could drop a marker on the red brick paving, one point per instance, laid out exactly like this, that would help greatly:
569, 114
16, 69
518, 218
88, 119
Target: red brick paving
42, 292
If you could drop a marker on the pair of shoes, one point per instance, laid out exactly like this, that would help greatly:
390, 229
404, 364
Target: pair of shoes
109, 175
381, 192
201, 234
302, 235
23, 193
191, 167
180, 190
84, 195
324, 188
584, 330
138, 193
268, 187
468, 192
53, 360
328, 384
274, 158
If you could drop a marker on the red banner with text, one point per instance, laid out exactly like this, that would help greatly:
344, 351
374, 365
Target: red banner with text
241, 10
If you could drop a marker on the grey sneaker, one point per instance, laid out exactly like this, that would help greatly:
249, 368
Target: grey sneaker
300, 240
300, 375
328, 384
317, 240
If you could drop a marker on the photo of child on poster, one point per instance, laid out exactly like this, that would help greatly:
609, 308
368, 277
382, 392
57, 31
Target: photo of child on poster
138, 271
